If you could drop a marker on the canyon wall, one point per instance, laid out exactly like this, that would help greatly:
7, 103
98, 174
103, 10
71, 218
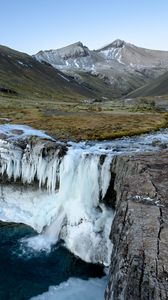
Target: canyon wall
139, 233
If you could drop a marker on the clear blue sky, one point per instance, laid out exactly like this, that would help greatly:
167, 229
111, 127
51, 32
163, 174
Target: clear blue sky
32, 25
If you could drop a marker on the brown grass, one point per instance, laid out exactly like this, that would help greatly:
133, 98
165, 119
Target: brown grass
86, 124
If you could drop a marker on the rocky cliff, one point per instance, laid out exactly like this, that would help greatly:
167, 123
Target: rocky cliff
37, 173
139, 262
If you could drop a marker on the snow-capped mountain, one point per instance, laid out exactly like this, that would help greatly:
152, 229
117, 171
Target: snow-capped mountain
75, 56
132, 55
121, 65
79, 56
113, 50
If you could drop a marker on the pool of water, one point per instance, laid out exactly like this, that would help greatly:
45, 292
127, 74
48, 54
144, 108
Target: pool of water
24, 273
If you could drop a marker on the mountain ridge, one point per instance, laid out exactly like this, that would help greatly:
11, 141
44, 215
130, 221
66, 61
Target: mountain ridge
74, 106
122, 66
104, 73
118, 43
26, 76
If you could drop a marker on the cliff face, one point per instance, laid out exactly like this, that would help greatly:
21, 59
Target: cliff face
139, 262
60, 191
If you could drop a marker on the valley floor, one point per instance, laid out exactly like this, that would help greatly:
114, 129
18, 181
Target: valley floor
83, 120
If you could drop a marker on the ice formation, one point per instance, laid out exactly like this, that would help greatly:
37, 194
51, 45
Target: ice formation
66, 203
59, 189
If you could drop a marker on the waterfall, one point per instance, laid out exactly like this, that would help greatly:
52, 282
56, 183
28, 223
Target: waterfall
58, 189
67, 204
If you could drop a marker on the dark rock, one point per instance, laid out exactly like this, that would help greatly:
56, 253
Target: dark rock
50, 147
110, 196
8, 91
157, 143
17, 131
139, 262
3, 136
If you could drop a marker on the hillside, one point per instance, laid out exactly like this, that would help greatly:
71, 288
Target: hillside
24, 76
158, 87
82, 105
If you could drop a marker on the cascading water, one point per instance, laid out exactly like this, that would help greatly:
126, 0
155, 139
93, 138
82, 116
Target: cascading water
60, 190
66, 205
72, 182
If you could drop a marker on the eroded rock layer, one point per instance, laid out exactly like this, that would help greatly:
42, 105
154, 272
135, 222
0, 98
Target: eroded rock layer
139, 262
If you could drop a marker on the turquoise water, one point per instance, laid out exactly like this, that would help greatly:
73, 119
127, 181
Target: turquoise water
24, 274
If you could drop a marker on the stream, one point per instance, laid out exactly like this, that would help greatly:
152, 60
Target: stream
54, 229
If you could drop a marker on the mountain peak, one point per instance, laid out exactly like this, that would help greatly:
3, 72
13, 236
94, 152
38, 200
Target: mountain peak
115, 44
79, 44
73, 51
118, 43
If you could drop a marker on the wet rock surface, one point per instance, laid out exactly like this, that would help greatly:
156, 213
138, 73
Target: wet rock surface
137, 190
139, 262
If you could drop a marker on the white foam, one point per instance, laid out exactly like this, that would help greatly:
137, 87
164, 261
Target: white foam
11, 131
67, 202
76, 289
71, 212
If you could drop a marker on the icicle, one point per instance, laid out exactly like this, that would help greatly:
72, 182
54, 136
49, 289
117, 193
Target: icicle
105, 174
71, 189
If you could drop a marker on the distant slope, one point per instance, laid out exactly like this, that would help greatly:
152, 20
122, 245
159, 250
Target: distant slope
122, 66
158, 87
130, 54
73, 104
22, 75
